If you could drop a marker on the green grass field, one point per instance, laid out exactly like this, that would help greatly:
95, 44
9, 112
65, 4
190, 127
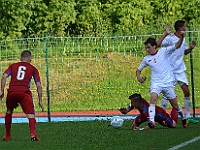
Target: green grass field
97, 135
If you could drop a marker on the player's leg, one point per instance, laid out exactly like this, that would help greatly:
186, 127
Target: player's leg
32, 126
183, 83
187, 100
178, 108
152, 108
186, 92
11, 103
28, 108
8, 122
174, 115
155, 91
164, 119
169, 93
164, 103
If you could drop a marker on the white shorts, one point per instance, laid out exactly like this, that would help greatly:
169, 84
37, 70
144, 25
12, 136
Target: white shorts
167, 92
180, 78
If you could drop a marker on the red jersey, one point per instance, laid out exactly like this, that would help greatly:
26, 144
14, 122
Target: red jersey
21, 74
145, 112
161, 116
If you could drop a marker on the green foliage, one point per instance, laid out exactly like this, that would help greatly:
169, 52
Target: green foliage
60, 15
130, 17
35, 25
13, 18
191, 12
165, 12
89, 17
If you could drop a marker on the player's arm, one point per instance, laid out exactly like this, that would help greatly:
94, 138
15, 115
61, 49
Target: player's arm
159, 42
39, 91
139, 77
136, 127
3, 83
192, 45
179, 43
126, 110
36, 78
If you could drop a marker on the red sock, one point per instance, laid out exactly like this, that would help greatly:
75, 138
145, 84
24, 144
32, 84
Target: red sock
174, 115
8, 121
32, 126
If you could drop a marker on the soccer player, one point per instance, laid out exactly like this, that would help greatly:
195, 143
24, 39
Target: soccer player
161, 75
19, 92
178, 66
142, 105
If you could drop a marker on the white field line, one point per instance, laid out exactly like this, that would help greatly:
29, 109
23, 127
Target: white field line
185, 143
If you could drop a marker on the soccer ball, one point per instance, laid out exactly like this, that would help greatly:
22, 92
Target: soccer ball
116, 122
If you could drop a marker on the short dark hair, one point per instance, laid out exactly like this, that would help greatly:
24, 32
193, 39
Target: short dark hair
151, 41
26, 53
136, 97
179, 24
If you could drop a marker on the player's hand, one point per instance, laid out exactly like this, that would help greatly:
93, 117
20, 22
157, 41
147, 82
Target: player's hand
168, 29
41, 105
142, 79
193, 44
123, 110
136, 128
1, 95
183, 33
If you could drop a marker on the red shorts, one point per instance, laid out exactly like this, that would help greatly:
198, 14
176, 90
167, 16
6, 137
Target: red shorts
24, 98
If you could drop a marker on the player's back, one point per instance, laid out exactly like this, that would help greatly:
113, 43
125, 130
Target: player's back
21, 74
145, 108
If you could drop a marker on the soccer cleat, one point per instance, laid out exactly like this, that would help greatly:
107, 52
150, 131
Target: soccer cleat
191, 120
35, 138
151, 124
184, 123
6, 138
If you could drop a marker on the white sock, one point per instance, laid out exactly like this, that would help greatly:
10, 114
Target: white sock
187, 106
152, 110
164, 103
180, 112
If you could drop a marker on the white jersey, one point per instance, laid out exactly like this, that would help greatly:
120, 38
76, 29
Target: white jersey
176, 58
161, 73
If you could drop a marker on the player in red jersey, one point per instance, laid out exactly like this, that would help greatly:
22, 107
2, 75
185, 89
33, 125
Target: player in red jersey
19, 92
142, 105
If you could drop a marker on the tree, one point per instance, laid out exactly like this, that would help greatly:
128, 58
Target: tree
35, 25
90, 19
191, 13
59, 16
13, 18
129, 16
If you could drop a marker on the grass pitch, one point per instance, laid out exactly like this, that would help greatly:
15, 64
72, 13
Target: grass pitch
97, 135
